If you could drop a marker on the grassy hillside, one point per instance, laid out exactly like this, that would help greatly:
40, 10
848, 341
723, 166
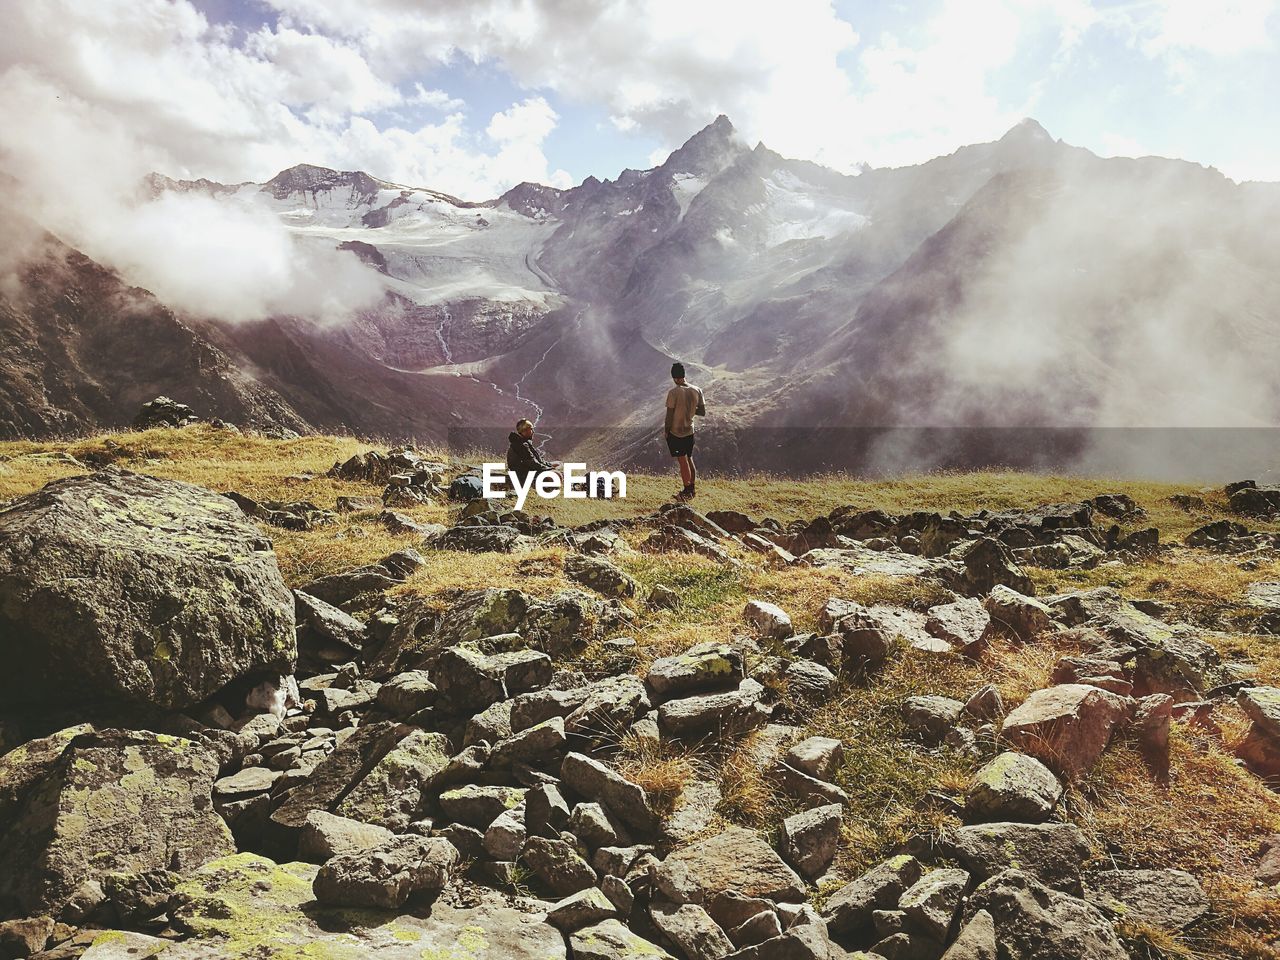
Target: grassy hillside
1209, 819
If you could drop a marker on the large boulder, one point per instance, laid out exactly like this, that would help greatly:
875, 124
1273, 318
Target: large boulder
1067, 726
114, 801
124, 587
1031, 920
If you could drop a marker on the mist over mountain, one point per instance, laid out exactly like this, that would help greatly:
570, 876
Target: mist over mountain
907, 317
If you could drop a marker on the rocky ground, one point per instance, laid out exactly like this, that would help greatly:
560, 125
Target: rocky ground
283, 698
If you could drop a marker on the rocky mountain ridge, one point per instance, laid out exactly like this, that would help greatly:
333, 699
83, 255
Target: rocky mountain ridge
1018, 283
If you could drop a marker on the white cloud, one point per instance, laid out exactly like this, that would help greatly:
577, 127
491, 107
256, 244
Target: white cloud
197, 105
1222, 29
781, 72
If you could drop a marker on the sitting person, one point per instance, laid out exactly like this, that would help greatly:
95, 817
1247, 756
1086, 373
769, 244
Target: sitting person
523, 457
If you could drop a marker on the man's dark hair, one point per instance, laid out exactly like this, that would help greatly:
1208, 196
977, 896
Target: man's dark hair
677, 371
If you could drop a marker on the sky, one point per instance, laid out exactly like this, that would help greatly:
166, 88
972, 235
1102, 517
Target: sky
473, 96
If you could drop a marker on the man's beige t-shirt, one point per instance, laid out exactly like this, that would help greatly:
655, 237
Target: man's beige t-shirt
684, 400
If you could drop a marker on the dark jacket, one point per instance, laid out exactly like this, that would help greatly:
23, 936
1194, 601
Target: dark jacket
523, 458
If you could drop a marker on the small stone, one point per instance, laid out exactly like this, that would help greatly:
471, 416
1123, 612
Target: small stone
768, 619
1013, 786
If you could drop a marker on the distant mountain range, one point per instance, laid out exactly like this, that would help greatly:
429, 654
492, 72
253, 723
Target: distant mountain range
898, 317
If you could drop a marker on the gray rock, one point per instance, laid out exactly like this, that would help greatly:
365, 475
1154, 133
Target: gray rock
985, 704
246, 782
757, 928
328, 622
600, 575
610, 940
591, 825
987, 563
1032, 920
581, 909
737, 859
1051, 852
505, 837
1170, 899
116, 587
930, 717
478, 806
606, 707
324, 836
596, 781
733, 711
1013, 786
694, 811
819, 757
768, 619
849, 909
537, 744
109, 802
1262, 705
558, 865
690, 928
961, 623
386, 876
468, 680
1022, 617
977, 939
546, 811
711, 665
931, 903
407, 693
809, 682
808, 840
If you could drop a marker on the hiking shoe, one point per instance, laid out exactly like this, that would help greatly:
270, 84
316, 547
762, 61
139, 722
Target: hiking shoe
686, 493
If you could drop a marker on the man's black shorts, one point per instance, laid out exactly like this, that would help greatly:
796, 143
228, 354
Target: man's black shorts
680, 446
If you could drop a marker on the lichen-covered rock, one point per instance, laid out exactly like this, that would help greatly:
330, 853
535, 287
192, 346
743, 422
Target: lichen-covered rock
393, 792
123, 587
930, 904
610, 940
555, 625
1013, 786
599, 575
246, 906
115, 801
850, 908
711, 665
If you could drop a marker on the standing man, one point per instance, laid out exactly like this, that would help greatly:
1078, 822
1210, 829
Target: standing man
684, 401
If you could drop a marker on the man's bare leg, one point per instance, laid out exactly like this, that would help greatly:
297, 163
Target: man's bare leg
686, 470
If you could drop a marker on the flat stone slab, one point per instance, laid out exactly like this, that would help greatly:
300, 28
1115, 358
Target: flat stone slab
246, 906
862, 561
1170, 899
